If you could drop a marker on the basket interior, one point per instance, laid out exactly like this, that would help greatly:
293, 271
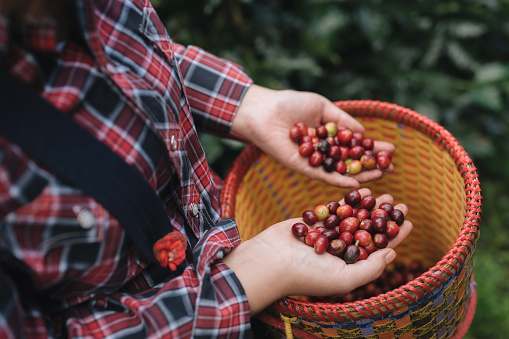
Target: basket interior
425, 179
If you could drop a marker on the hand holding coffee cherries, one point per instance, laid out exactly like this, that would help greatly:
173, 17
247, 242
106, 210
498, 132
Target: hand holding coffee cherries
351, 230
276, 264
266, 116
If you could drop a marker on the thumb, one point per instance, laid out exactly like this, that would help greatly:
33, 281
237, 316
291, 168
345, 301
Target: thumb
365, 271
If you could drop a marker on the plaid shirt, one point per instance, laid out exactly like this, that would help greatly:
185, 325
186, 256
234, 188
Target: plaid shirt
67, 269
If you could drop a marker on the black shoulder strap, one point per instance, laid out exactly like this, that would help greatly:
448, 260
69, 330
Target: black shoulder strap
55, 140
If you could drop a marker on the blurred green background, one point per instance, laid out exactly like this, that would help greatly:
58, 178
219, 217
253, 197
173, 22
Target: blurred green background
448, 60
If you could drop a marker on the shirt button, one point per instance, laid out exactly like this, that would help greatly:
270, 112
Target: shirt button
173, 142
86, 219
194, 209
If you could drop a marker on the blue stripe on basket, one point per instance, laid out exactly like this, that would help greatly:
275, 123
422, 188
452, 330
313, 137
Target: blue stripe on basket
367, 324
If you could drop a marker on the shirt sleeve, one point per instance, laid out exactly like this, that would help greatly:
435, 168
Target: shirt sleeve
214, 87
205, 301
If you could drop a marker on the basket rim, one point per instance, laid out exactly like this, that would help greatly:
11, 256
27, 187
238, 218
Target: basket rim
436, 276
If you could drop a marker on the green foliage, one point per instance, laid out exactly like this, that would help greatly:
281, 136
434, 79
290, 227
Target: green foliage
448, 60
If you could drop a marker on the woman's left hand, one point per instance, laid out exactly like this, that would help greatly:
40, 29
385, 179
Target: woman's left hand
266, 116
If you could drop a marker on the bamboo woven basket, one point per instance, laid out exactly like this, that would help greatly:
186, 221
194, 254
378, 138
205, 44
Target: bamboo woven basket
433, 176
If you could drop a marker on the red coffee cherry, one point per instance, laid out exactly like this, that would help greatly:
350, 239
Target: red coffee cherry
300, 229
309, 217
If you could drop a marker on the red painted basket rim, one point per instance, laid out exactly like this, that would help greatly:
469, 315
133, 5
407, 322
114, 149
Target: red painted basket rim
437, 275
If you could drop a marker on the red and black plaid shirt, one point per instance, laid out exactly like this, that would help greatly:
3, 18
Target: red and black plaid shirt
67, 269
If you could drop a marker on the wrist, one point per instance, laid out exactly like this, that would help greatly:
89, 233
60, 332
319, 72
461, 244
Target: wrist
260, 274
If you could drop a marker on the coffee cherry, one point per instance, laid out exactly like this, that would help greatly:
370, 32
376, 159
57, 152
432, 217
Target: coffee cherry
368, 202
347, 237
384, 154
321, 244
330, 234
321, 132
324, 146
321, 211
303, 127
335, 152
306, 138
331, 221
353, 197
392, 230
350, 224
367, 225
316, 159
363, 254
344, 211
352, 254
312, 132
368, 143
354, 167
311, 237
344, 135
355, 142
329, 165
336, 247
341, 167
387, 207
379, 224
368, 161
370, 248
362, 214
332, 129
300, 229
306, 148
295, 134
383, 162
333, 206
380, 240
362, 237
398, 216
309, 217
356, 152
379, 213
344, 152
358, 135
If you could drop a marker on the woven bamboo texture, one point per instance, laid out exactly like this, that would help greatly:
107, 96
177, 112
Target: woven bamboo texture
438, 182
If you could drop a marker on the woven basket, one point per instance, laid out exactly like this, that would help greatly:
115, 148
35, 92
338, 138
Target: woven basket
438, 182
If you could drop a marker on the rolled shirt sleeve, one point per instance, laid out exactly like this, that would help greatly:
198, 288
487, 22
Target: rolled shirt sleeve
214, 87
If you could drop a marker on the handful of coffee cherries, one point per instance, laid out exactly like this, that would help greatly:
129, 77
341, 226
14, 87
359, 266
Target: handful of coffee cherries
337, 148
351, 231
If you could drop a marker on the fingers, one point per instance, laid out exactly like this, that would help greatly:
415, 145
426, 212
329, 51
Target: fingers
383, 146
365, 271
404, 231
372, 175
331, 112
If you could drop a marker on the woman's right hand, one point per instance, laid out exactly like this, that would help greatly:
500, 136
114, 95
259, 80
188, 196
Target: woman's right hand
276, 264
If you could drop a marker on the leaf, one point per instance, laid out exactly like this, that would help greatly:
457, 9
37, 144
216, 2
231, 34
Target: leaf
492, 72
467, 29
489, 97
435, 48
460, 57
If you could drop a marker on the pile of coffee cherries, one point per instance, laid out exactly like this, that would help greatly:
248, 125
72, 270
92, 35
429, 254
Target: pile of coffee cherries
338, 148
395, 276
352, 230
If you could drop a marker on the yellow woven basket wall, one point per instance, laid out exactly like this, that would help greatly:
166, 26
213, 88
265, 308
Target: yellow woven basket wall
433, 176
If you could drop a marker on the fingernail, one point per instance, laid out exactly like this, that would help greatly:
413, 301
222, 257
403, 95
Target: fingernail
389, 257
